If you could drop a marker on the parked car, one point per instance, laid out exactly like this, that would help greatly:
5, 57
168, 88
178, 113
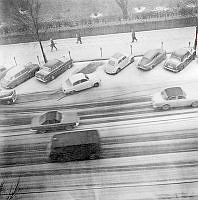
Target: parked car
80, 81
55, 120
179, 59
19, 74
52, 69
3, 71
78, 145
152, 58
175, 97
117, 62
7, 96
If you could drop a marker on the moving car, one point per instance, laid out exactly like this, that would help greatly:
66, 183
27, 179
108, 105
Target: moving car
7, 96
55, 120
78, 145
52, 69
179, 59
3, 71
152, 58
19, 74
175, 97
79, 81
117, 62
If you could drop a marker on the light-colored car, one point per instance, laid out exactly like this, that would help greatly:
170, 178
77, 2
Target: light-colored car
80, 81
179, 59
175, 97
151, 58
19, 74
55, 120
7, 96
117, 62
52, 69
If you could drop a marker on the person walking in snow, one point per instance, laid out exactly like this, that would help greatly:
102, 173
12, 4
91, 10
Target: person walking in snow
78, 36
52, 44
133, 36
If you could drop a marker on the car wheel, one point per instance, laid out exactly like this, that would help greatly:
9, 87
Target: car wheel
195, 104
9, 102
166, 107
71, 92
92, 157
96, 84
118, 70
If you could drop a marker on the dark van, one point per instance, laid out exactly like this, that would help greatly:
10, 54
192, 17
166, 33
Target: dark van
78, 145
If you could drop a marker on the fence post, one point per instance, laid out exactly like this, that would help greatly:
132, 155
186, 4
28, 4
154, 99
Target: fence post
69, 55
131, 49
101, 52
162, 45
38, 60
15, 61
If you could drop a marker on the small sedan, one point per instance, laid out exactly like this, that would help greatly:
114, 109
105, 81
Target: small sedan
19, 74
52, 69
179, 59
175, 97
55, 120
7, 96
80, 81
117, 62
152, 58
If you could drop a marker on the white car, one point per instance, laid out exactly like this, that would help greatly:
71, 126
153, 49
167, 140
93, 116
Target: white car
7, 96
175, 97
117, 62
78, 82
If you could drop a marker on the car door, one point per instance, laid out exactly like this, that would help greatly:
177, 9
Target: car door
85, 83
173, 101
182, 101
124, 62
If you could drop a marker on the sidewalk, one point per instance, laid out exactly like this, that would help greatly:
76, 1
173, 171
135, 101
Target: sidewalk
95, 47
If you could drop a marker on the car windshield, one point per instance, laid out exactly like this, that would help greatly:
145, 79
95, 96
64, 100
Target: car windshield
111, 62
164, 96
175, 56
145, 60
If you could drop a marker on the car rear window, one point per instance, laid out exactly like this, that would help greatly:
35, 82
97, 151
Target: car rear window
111, 62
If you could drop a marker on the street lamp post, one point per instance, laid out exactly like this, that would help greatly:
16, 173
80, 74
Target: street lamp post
195, 43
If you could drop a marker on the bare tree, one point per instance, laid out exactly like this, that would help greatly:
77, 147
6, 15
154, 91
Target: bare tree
9, 192
25, 13
123, 4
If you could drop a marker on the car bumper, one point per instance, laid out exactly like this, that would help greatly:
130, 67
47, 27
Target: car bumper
171, 69
40, 79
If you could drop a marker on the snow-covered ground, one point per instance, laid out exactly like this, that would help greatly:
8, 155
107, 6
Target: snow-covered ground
91, 49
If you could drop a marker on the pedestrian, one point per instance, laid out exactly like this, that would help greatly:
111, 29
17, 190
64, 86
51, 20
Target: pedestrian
52, 44
133, 36
78, 36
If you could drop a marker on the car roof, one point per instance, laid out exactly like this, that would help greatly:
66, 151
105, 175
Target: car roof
75, 138
51, 63
174, 91
13, 71
180, 52
76, 77
117, 55
149, 54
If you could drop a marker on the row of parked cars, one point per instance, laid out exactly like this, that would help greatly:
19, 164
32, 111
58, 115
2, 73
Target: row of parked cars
177, 61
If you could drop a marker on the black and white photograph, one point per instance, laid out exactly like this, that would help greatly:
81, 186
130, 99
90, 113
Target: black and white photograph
98, 100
